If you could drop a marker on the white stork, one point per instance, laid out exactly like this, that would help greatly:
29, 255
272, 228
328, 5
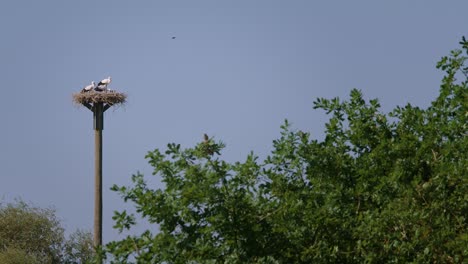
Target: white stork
89, 87
102, 85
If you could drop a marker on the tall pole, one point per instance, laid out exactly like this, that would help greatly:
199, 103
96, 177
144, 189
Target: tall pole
97, 187
98, 107
98, 114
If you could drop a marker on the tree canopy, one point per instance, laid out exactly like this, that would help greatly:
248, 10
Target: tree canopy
32, 230
386, 188
30, 234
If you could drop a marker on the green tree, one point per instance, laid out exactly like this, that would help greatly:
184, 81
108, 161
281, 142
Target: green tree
379, 188
78, 248
30, 234
17, 256
35, 231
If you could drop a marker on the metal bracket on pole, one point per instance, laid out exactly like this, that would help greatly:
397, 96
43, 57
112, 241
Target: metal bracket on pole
89, 106
107, 106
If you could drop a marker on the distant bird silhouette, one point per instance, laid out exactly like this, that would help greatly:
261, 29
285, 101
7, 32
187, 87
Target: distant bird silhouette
173, 37
208, 148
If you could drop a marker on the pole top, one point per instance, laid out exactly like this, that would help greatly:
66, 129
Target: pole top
94, 97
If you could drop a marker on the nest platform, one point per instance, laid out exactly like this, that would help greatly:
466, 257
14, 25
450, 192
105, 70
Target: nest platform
94, 97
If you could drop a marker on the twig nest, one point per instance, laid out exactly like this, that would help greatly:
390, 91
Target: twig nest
92, 97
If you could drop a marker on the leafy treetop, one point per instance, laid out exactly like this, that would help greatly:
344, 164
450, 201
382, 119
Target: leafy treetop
387, 188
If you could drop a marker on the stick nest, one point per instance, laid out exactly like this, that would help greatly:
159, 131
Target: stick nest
92, 97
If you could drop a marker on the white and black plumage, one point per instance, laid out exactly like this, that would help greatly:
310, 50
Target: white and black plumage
89, 87
102, 85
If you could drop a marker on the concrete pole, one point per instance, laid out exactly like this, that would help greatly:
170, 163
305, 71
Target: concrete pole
98, 112
98, 188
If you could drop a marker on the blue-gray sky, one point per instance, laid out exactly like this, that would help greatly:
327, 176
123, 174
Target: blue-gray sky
235, 70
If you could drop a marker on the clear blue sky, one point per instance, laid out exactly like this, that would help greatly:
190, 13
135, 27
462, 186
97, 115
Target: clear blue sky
235, 70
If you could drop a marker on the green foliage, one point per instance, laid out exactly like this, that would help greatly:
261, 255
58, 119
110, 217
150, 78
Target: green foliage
35, 231
17, 256
30, 234
378, 189
78, 248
